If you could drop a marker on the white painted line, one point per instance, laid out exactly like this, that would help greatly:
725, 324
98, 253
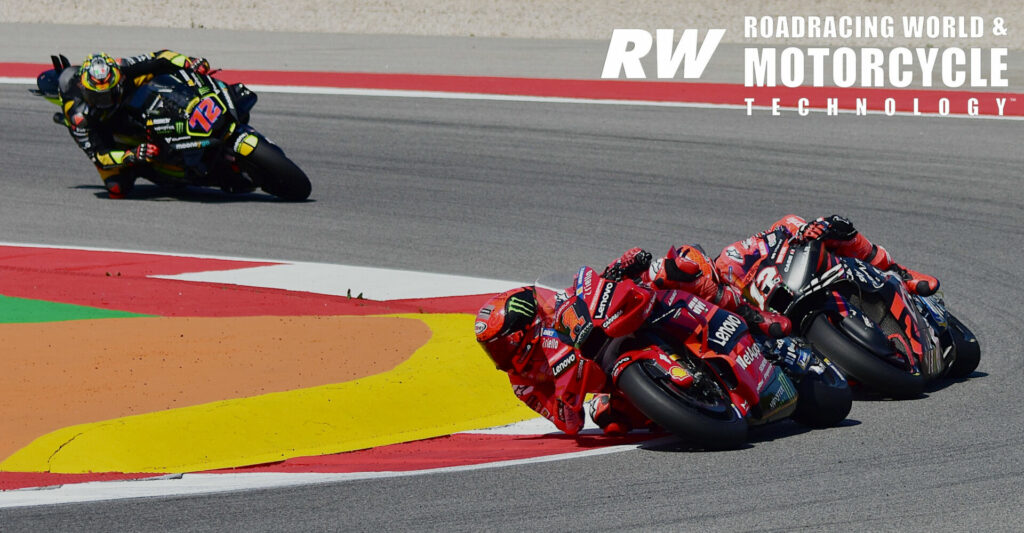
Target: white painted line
190, 484
396, 93
564, 100
342, 280
533, 426
325, 278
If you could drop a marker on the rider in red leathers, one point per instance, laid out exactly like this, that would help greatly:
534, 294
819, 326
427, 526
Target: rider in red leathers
688, 268
509, 328
738, 262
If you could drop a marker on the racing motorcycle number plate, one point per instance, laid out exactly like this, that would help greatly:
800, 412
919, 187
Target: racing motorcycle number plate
575, 321
767, 279
204, 115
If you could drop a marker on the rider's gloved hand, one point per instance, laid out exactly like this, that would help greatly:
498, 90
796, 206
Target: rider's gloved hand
142, 153
632, 263
814, 229
840, 228
146, 152
830, 227
199, 64
789, 354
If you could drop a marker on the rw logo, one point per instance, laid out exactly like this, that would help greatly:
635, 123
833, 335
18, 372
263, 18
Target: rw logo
627, 47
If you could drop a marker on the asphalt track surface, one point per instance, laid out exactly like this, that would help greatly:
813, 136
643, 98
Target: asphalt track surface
516, 190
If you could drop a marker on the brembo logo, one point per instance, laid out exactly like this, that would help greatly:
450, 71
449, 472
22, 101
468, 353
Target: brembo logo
606, 298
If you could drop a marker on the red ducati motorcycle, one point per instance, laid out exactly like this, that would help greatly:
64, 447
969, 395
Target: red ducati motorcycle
689, 366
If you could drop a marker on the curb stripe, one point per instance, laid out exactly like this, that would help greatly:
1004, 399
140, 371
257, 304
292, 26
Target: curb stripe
188, 484
626, 91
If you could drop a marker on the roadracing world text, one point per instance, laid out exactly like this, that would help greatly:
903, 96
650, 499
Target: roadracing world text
932, 73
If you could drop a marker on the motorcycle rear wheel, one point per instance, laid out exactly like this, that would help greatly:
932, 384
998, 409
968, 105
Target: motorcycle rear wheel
860, 364
276, 174
712, 425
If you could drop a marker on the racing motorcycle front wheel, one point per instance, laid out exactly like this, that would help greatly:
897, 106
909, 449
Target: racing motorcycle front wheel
276, 174
701, 413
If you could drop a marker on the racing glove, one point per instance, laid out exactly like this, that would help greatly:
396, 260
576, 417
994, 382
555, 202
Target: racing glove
832, 227
789, 354
199, 64
142, 153
632, 263
814, 229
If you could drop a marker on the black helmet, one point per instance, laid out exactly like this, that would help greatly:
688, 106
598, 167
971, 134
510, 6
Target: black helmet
49, 84
100, 78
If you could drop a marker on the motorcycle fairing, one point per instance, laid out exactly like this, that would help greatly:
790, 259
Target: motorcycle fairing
737, 360
865, 332
933, 309
818, 280
916, 339
575, 375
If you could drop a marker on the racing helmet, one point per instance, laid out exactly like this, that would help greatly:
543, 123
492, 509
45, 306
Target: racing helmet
504, 325
100, 79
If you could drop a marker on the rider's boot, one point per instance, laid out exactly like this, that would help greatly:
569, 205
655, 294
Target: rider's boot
118, 183
863, 249
605, 417
915, 282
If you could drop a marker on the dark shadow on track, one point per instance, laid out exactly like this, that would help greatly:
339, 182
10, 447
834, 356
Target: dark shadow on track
789, 428
203, 195
758, 434
941, 384
864, 394
672, 444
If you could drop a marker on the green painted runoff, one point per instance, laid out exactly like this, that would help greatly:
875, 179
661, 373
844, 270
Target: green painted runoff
21, 310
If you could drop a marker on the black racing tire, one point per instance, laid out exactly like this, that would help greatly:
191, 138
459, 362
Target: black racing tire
667, 406
276, 174
968, 351
860, 364
824, 399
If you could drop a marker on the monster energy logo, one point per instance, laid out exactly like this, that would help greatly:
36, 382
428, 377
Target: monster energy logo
521, 306
179, 127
